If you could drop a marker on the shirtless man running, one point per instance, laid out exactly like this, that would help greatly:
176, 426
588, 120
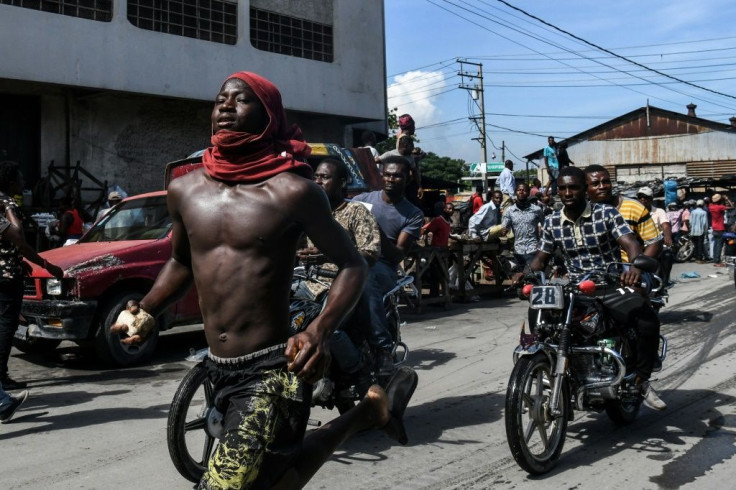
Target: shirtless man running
236, 223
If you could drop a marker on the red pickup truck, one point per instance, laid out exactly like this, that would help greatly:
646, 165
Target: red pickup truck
118, 260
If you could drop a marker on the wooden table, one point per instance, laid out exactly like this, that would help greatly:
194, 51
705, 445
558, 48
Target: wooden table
421, 260
467, 258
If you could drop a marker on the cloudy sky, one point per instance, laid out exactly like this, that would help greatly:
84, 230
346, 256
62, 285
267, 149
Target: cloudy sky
554, 68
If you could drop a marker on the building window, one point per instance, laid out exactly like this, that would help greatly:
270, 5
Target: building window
210, 20
282, 34
100, 10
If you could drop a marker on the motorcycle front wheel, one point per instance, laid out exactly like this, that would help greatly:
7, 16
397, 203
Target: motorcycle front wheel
535, 437
187, 433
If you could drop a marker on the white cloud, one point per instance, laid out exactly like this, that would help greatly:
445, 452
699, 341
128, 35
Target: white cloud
413, 92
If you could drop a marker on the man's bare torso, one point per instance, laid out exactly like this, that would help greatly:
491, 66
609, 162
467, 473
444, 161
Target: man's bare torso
242, 239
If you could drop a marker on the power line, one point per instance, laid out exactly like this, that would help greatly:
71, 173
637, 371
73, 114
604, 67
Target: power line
636, 63
560, 47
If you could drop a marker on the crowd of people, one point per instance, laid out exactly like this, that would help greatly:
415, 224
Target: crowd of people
242, 266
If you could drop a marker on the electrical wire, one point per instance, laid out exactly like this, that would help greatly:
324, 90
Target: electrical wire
463, 8
636, 63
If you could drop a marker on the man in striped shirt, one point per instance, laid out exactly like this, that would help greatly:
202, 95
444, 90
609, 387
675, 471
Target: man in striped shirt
600, 190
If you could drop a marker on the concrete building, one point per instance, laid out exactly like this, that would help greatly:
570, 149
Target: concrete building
651, 143
125, 86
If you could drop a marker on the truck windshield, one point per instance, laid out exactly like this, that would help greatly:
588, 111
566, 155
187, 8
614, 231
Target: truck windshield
137, 219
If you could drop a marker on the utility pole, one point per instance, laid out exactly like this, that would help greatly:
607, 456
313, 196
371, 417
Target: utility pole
474, 85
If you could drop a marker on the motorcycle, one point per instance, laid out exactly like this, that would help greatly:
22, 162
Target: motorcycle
195, 425
575, 359
684, 248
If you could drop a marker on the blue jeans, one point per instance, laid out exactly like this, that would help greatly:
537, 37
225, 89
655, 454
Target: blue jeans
11, 299
4, 398
381, 280
554, 173
717, 246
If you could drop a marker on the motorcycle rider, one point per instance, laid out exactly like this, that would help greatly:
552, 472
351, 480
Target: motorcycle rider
600, 190
400, 223
332, 175
591, 236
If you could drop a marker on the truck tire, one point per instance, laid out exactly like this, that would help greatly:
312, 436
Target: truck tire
108, 346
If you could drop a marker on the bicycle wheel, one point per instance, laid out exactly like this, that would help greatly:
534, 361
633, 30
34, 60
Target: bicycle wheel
534, 435
191, 429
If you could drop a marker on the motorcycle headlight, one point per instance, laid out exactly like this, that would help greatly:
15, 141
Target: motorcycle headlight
53, 287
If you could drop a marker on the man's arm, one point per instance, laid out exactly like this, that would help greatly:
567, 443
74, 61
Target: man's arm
667, 232
175, 277
418, 178
397, 251
474, 223
13, 232
307, 350
367, 235
633, 275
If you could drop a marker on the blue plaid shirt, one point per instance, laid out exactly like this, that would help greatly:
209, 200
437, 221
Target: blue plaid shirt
590, 241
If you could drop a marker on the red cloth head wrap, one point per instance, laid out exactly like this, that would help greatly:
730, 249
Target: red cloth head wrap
406, 122
245, 157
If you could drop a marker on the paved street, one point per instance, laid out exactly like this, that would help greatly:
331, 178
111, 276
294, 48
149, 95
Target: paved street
85, 427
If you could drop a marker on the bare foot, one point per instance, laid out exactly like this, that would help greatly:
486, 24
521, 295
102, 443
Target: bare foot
377, 399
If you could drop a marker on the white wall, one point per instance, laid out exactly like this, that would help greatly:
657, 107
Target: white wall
115, 55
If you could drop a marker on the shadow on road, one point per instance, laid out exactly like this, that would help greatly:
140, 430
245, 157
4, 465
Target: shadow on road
426, 359
46, 421
661, 436
427, 424
435, 311
684, 316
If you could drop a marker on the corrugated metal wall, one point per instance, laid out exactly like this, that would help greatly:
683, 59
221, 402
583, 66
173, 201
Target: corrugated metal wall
714, 146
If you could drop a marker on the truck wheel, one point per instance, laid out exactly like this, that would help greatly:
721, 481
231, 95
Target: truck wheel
108, 346
34, 345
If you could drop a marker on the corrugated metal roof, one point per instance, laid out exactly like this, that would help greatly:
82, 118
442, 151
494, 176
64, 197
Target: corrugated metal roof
650, 123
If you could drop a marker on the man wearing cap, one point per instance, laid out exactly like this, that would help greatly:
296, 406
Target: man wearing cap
718, 209
698, 229
112, 199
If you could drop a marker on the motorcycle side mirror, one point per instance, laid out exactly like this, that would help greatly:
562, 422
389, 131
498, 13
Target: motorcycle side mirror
646, 263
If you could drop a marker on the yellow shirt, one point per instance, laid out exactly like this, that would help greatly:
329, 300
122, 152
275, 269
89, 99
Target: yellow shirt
640, 222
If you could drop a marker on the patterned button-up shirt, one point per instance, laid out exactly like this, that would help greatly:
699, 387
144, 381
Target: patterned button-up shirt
363, 231
11, 260
525, 224
589, 242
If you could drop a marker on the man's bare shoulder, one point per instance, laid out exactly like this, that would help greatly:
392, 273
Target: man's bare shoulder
187, 181
295, 188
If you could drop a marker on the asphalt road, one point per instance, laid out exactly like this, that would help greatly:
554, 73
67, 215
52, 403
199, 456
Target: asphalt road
86, 427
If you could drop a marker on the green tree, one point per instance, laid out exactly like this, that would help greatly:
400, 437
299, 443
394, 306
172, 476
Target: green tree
445, 168
393, 124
